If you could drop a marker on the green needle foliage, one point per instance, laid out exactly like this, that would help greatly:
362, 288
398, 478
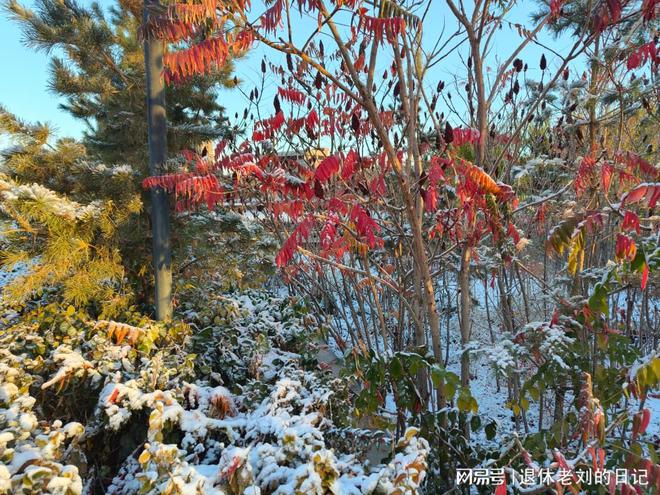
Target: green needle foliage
97, 65
68, 215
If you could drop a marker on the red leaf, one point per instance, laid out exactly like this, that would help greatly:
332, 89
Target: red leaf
430, 199
635, 162
555, 8
645, 279
377, 186
327, 168
482, 179
650, 9
626, 249
365, 225
642, 54
646, 190
646, 419
292, 95
328, 232
463, 136
312, 120
382, 27
198, 59
348, 167
270, 21
300, 233
585, 174
615, 8
606, 176
436, 171
513, 232
630, 222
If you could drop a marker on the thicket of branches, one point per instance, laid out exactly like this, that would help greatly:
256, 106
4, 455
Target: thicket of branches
400, 199
505, 215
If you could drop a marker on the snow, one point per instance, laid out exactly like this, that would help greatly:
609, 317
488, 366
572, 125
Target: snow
58, 206
71, 363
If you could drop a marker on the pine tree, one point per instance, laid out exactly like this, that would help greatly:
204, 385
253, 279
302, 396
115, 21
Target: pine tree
69, 217
97, 65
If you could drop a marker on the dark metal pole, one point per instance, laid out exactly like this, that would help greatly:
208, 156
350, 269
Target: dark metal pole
157, 128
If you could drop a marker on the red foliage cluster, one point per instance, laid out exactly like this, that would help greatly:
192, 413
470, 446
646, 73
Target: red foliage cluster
382, 28
189, 189
636, 163
327, 168
651, 9
608, 13
265, 129
484, 181
642, 54
292, 95
365, 225
465, 136
586, 175
168, 30
626, 249
193, 13
555, 8
197, 59
630, 222
242, 41
272, 18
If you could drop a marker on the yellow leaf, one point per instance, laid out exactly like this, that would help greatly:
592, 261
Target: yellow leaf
144, 457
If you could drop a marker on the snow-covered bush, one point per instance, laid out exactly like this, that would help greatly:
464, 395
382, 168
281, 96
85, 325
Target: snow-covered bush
35, 456
232, 402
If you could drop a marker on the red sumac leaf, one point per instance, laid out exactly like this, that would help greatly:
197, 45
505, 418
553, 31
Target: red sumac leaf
482, 179
365, 225
349, 162
650, 191
645, 52
606, 176
555, 8
299, 234
646, 419
645, 279
630, 222
625, 249
327, 168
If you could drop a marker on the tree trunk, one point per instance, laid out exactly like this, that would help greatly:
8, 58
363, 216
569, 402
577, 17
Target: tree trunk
465, 321
157, 128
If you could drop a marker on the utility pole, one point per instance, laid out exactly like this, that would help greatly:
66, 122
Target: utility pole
157, 128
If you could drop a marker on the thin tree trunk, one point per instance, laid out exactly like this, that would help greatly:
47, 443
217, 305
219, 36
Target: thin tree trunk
466, 321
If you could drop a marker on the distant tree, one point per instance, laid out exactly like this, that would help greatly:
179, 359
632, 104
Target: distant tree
97, 65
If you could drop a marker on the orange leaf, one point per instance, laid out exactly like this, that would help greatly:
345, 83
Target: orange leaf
482, 179
645, 279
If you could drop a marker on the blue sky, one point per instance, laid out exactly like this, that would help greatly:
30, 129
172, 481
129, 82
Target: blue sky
23, 87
